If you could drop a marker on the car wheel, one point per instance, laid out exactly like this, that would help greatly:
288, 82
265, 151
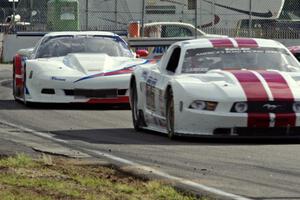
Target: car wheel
170, 115
137, 121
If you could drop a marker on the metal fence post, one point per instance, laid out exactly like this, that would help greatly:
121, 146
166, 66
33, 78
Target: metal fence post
196, 17
86, 14
214, 14
250, 18
116, 14
143, 18
4, 14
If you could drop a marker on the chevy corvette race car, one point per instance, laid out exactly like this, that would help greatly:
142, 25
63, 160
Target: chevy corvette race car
75, 67
219, 87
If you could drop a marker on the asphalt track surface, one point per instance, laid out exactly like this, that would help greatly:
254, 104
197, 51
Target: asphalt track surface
258, 169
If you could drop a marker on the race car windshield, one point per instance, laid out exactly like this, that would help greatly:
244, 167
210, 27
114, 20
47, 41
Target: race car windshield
61, 46
201, 60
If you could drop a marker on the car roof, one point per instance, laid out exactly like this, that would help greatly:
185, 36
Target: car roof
229, 43
168, 23
102, 33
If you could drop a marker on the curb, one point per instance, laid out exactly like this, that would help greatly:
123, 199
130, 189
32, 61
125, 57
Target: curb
140, 171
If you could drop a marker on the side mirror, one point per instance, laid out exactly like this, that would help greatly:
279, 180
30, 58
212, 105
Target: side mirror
141, 53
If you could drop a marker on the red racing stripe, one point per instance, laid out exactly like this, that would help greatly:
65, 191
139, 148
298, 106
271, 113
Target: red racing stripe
246, 42
254, 91
118, 72
260, 120
281, 92
19, 82
252, 86
123, 99
222, 42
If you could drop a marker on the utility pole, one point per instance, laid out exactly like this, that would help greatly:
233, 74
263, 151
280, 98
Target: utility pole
196, 17
86, 15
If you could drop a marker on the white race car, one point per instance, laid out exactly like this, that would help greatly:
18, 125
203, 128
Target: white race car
219, 87
75, 67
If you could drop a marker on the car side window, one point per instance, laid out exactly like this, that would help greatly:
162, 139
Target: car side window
175, 31
297, 55
174, 60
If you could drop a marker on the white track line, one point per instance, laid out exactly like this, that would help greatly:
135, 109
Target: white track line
5, 80
137, 166
170, 177
36, 133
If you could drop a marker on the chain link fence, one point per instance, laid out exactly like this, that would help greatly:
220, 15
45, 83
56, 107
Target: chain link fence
255, 18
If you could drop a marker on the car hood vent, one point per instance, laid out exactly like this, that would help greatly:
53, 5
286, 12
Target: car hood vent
91, 63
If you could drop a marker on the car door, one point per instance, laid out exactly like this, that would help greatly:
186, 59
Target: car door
156, 85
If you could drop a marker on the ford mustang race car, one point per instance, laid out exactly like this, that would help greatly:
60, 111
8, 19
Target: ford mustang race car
219, 87
75, 67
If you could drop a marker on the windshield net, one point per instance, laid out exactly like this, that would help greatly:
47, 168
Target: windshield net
201, 60
61, 46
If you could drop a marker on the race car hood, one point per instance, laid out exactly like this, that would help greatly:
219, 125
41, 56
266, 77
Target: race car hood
97, 63
242, 85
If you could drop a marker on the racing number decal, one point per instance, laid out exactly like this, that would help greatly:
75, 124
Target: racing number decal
150, 93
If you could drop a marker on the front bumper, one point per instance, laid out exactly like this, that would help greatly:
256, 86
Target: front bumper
195, 122
99, 90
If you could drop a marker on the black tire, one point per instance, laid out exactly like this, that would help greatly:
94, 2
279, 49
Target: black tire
170, 114
136, 118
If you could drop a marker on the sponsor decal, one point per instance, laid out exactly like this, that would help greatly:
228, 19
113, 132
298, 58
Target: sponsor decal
150, 97
254, 14
145, 75
54, 78
151, 81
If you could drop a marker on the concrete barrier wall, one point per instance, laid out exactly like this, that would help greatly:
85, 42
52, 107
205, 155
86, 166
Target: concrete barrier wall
12, 43
289, 42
